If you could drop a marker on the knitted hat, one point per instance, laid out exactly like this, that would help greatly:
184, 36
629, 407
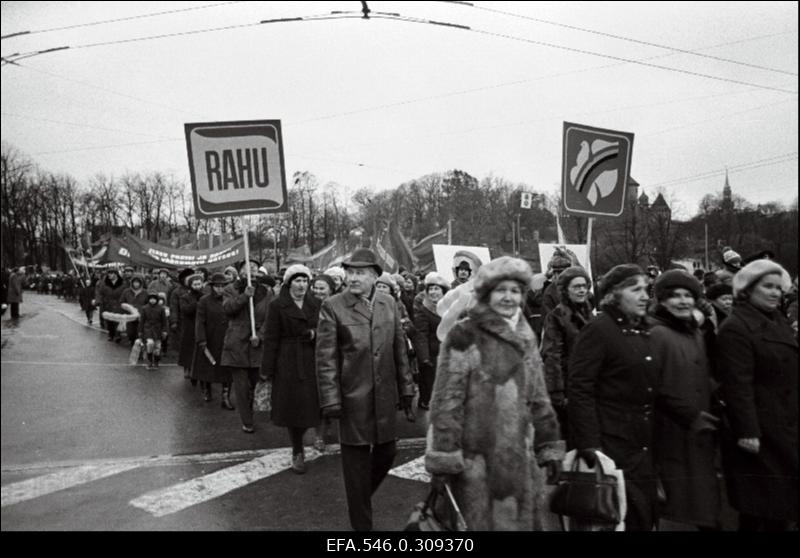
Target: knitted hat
387, 279
717, 290
617, 275
676, 279
464, 259
500, 269
567, 276
434, 278
399, 279
560, 260
336, 271
731, 257
294, 270
752, 272
232, 270
152, 294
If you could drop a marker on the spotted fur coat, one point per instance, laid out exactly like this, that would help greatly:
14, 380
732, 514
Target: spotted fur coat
490, 412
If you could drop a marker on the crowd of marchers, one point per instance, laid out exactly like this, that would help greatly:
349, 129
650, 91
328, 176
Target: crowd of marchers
687, 382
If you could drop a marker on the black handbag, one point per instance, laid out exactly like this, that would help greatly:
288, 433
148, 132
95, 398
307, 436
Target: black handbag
438, 512
588, 496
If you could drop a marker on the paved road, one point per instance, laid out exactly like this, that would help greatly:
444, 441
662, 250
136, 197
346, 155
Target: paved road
90, 443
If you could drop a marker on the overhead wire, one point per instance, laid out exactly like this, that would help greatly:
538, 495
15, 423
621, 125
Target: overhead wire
769, 161
117, 20
624, 38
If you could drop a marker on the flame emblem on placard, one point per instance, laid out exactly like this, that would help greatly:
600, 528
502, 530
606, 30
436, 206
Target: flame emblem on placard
588, 159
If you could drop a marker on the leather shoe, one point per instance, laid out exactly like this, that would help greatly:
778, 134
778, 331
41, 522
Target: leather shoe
299, 463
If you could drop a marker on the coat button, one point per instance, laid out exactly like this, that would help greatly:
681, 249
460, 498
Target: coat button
644, 448
649, 390
648, 358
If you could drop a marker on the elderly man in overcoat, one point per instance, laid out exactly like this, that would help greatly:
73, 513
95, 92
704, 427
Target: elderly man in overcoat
363, 373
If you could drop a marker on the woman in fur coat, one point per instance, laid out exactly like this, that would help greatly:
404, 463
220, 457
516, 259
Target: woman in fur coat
490, 408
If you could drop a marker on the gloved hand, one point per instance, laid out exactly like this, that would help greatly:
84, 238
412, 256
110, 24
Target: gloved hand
174, 327
250, 290
406, 401
163, 335
750, 445
202, 345
554, 469
255, 341
589, 456
704, 422
332, 412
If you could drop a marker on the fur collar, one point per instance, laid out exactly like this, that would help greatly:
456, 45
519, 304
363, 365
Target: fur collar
429, 305
521, 338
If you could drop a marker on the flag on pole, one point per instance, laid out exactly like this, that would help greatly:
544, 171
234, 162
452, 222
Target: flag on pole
423, 250
560, 230
400, 248
381, 247
323, 258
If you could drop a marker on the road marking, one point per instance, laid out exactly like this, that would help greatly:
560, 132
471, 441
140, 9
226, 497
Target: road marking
200, 489
413, 470
17, 492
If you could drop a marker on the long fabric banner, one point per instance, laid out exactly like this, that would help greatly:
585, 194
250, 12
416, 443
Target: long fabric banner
138, 252
423, 250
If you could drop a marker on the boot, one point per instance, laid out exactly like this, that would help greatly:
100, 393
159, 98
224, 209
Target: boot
226, 398
205, 388
299, 463
149, 361
155, 360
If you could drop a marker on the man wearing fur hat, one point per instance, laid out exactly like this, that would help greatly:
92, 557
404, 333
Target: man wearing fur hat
363, 373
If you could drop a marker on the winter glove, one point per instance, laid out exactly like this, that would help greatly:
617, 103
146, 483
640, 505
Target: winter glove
332, 412
589, 455
174, 327
554, 469
255, 341
201, 345
704, 422
163, 335
750, 445
249, 290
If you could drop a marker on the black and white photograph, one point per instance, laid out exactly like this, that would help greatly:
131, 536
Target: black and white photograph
420, 269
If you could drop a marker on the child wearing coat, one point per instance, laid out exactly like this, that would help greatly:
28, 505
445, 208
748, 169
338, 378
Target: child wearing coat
153, 326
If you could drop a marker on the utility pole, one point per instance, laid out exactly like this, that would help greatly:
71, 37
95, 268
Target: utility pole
706, 244
519, 237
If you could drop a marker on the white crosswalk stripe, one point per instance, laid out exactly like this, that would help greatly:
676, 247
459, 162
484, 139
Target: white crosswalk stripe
17, 492
413, 470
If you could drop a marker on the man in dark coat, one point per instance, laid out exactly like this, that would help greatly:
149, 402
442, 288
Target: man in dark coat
109, 297
14, 295
362, 369
188, 308
174, 301
242, 351
136, 296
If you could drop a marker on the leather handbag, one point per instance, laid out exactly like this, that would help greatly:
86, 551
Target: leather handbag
588, 496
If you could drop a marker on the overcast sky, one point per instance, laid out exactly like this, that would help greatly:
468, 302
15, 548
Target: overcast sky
379, 102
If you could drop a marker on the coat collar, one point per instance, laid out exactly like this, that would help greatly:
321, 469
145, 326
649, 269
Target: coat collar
758, 322
356, 303
286, 302
521, 338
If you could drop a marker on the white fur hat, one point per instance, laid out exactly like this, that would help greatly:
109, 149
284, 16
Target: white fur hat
434, 278
387, 279
754, 271
500, 269
336, 271
294, 270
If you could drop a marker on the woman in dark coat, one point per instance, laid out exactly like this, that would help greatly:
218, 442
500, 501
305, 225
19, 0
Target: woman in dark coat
561, 328
210, 325
289, 334
426, 343
613, 384
685, 460
757, 365
187, 305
